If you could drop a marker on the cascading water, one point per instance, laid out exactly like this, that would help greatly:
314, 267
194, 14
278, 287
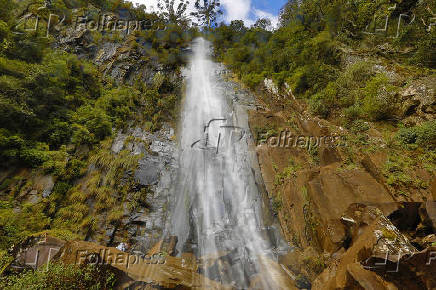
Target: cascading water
218, 211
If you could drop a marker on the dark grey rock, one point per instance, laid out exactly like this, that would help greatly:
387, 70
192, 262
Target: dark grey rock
148, 172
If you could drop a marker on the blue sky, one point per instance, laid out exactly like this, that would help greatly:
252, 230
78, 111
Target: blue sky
272, 7
250, 10
266, 8
247, 10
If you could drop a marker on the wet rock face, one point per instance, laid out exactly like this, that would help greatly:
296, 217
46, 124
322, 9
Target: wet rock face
155, 171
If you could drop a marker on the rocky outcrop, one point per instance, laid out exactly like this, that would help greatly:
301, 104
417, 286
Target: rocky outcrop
27, 185
338, 205
122, 60
419, 100
141, 228
379, 256
138, 269
34, 252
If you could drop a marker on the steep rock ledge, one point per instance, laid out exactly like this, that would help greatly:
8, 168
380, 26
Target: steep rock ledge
312, 189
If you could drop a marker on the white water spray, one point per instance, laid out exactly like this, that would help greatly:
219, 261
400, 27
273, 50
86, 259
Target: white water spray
218, 211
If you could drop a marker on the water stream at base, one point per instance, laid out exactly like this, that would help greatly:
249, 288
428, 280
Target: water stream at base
218, 207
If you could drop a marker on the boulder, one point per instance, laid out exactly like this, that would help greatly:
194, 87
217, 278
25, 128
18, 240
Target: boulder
430, 214
375, 245
358, 276
34, 252
148, 171
419, 98
157, 271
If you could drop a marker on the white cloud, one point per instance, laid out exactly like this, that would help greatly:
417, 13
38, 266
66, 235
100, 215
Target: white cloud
237, 10
233, 10
263, 14
152, 4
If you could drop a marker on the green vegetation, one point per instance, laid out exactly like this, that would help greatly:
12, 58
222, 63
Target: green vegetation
58, 115
310, 219
305, 53
59, 111
336, 60
423, 135
315, 264
287, 172
277, 203
60, 276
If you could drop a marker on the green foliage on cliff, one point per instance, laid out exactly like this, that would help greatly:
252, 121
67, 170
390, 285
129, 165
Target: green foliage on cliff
306, 53
58, 113
50, 98
423, 135
60, 276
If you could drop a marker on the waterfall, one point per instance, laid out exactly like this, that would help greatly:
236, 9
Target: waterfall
218, 208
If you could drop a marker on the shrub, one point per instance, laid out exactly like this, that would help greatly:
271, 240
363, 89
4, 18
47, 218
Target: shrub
81, 135
351, 114
379, 102
359, 126
427, 135
322, 48
323, 102
253, 80
75, 168
95, 120
34, 157
62, 276
60, 134
423, 135
16, 226
407, 135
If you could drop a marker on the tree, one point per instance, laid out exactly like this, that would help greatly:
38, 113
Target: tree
207, 11
263, 23
172, 13
238, 26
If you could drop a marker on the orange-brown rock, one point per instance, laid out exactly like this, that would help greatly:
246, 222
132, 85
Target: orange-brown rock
34, 252
368, 280
376, 245
158, 270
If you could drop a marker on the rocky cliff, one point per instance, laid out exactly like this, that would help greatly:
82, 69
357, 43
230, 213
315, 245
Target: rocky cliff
356, 209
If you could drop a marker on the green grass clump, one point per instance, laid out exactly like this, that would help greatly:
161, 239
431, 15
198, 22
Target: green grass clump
423, 135
62, 276
288, 172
